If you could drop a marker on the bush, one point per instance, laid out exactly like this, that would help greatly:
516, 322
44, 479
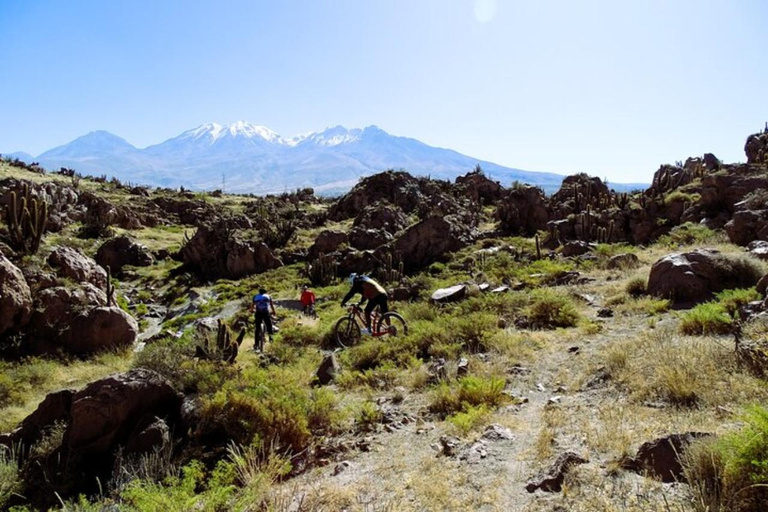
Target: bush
551, 309
731, 473
470, 392
708, 318
468, 420
636, 286
688, 234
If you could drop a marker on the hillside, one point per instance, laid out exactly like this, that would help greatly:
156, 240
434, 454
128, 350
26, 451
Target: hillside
588, 350
245, 158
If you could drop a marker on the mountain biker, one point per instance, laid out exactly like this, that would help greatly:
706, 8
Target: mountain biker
370, 290
261, 305
307, 298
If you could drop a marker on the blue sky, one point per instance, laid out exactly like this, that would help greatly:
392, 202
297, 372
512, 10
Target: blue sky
613, 88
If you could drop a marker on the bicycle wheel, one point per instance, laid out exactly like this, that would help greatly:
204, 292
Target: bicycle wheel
391, 324
346, 332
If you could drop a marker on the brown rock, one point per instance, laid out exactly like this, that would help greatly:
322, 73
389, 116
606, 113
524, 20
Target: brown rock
695, 276
367, 239
15, 297
478, 187
553, 480
623, 261
54, 407
450, 294
121, 251
328, 370
78, 267
661, 458
756, 148
103, 328
381, 216
107, 411
327, 241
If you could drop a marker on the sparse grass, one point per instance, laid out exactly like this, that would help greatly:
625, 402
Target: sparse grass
689, 234
717, 317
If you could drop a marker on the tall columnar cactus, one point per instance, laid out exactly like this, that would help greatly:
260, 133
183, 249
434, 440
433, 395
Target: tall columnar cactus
393, 268
26, 219
322, 271
110, 288
538, 247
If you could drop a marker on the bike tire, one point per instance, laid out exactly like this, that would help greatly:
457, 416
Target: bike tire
391, 324
260, 336
346, 331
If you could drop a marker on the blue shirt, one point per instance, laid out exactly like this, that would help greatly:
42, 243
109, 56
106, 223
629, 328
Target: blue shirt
262, 301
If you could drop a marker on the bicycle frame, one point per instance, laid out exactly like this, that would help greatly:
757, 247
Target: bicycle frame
357, 314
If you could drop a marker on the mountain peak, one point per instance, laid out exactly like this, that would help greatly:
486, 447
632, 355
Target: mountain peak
213, 132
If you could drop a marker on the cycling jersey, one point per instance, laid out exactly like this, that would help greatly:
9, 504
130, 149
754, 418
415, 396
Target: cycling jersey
262, 302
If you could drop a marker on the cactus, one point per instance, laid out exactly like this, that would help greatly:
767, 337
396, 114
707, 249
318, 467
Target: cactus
26, 221
110, 288
538, 247
393, 268
322, 271
609, 234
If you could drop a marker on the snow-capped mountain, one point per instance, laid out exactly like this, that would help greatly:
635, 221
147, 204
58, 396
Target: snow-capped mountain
255, 159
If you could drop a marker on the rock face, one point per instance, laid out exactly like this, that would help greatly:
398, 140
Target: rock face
215, 252
523, 211
15, 297
107, 411
122, 251
368, 239
756, 148
54, 407
395, 187
661, 458
430, 239
328, 370
478, 187
78, 267
381, 215
327, 241
695, 276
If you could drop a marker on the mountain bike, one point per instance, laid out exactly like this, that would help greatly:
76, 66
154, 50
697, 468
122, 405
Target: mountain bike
309, 311
260, 337
348, 329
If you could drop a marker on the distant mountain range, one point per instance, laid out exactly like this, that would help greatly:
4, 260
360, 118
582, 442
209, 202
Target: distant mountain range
248, 158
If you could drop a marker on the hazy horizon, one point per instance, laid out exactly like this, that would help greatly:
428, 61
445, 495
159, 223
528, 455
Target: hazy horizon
557, 86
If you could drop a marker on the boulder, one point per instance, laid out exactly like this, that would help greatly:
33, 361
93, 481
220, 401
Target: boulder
762, 285
366, 239
151, 434
758, 249
576, 248
661, 457
328, 370
327, 241
106, 412
54, 407
78, 267
55, 309
103, 328
553, 480
121, 251
623, 261
395, 187
696, 276
450, 294
15, 297
429, 240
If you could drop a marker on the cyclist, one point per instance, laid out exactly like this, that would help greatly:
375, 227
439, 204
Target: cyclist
261, 305
371, 291
307, 299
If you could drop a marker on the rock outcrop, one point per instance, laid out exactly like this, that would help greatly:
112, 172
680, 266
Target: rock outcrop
15, 297
523, 211
78, 267
429, 240
121, 251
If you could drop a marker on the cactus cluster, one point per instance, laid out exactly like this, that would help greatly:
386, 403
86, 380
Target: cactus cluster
225, 349
322, 271
26, 218
604, 234
392, 269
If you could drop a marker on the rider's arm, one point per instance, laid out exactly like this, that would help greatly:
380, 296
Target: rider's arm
271, 305
355, 288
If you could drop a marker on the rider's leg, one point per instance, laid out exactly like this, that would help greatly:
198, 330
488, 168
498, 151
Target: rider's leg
368, 309
268, 323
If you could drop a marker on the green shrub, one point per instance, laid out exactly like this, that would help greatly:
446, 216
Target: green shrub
368, 415
688, 234
469, 392
10, 481
548, 309
732, 300
708, 318
636, 286
466, 421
